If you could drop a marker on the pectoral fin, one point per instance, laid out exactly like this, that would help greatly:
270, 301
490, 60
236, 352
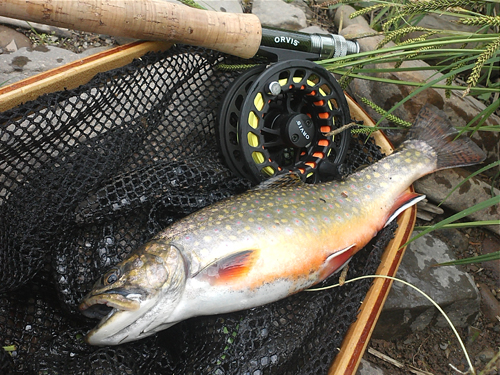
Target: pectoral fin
405, 200
336, 262
229, 268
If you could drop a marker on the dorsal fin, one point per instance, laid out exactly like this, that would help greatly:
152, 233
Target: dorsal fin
280, 181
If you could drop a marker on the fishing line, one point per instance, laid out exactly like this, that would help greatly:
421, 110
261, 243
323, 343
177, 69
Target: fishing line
471, 367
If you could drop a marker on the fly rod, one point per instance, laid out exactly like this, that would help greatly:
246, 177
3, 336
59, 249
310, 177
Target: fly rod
237, 34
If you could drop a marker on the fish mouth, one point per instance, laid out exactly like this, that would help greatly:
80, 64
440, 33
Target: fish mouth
104, 305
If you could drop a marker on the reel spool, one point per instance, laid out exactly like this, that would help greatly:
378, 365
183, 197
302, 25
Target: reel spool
277, 119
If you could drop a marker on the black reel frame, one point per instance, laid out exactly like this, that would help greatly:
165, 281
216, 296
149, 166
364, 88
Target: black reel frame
279, 118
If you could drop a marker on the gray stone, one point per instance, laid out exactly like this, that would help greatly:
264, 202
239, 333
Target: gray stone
368, 368
26, 62
314, 30
406, 310
229, 6
342, 20
490, 306
303, 5
11, 40
436, 187
277, 13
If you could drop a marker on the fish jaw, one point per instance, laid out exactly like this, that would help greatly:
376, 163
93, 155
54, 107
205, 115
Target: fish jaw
145, 289
119, 325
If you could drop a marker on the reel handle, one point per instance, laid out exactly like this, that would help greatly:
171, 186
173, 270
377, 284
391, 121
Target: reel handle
236, 34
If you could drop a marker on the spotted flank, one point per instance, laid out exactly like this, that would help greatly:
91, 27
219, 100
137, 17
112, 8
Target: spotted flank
272, 241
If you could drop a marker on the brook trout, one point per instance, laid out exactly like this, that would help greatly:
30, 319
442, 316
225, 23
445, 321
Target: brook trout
272, 241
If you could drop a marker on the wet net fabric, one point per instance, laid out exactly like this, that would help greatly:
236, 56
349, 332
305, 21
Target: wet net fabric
87, 175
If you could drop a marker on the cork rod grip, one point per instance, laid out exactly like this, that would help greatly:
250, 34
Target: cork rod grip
236, 34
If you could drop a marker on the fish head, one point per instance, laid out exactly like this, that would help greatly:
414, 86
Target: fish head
137, 295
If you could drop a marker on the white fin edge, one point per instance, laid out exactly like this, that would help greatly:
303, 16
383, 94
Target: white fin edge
408, 204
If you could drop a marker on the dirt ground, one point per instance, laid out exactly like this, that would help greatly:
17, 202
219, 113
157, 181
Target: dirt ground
434, 349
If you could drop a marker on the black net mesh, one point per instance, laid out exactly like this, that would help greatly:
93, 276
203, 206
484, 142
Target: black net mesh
88, 174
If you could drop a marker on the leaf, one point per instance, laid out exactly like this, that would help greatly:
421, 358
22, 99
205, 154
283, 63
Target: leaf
480, 258
460, 215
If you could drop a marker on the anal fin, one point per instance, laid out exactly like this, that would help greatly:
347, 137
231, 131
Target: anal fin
335, 262
405, 200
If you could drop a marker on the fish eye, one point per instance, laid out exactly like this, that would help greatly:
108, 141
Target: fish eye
111, 277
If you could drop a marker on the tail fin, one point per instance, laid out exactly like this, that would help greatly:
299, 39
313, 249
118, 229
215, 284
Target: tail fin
433, 128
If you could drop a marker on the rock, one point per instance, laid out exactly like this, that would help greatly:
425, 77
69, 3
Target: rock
406, 310
314, 30
492, 244
460, 110
28, 62
490, 306
368, 368
342, 20
11, 40
277, 13
229, 6
486, 354
437, 185
303, 5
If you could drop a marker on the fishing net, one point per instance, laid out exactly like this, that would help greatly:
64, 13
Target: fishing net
86, 175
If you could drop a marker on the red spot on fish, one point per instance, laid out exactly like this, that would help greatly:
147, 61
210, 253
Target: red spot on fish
315, 229
294, 212
238, 222
257, 201
278, 210
297, 221
340, 200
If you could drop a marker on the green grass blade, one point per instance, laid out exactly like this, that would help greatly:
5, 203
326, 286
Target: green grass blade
460, 215
482, 116
489, 166
463, 225
480, 258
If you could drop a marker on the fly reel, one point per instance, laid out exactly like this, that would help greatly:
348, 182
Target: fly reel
278, 119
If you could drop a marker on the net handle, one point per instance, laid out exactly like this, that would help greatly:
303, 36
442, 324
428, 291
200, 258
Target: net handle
233, 33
